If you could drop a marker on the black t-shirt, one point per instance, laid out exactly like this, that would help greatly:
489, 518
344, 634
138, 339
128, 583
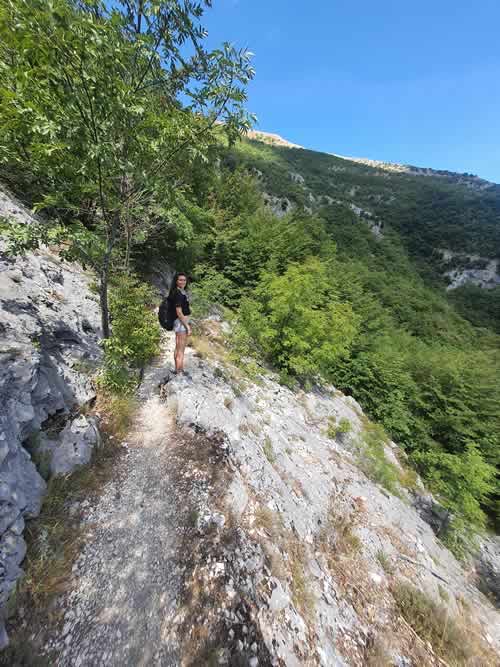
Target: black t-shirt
180, 299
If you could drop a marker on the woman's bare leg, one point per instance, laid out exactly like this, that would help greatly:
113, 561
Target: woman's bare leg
180, 346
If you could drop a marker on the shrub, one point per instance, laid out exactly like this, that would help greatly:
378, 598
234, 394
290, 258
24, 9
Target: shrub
334, 430
297, 321
135, 334
211, 288
462, 480
372, 459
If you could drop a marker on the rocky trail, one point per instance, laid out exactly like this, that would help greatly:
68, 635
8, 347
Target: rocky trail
134, 597
236, 530
128, 578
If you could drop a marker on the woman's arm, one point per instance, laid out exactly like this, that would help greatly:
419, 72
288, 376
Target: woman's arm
183, 318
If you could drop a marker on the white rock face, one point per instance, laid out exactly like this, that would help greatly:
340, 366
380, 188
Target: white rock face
472, 269
331, 540
49, 328
280, 206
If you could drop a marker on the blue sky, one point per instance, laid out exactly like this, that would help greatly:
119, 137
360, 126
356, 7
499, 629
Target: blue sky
401, 81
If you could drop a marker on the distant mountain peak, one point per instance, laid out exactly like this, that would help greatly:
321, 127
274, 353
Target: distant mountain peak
271, 138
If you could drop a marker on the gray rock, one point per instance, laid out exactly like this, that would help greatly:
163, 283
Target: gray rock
49, 320
437, 516
73, 447
237, 497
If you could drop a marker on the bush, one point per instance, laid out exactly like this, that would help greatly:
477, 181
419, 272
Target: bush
135, 334
334, 430
372, 459
463, 481
211, 288
298, 322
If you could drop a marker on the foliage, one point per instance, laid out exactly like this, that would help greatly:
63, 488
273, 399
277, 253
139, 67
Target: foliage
465, 480
135, 333
90, 113
297, 320
373, 461
211, 289
343, 427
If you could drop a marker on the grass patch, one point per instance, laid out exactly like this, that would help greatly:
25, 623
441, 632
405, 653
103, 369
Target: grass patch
269, 451
116, 412
54, 538
302, 596
443, 594
385, 562
432, 623
373, 461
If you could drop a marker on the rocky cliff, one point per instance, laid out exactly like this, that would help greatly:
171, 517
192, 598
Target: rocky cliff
310, 539
49, 333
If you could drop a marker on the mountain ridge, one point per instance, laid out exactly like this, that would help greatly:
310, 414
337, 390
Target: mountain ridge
470, 180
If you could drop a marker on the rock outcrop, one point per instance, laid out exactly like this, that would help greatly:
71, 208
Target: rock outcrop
49, 331
317, 545
466, 269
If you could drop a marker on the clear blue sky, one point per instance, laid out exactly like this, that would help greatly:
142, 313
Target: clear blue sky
411, 82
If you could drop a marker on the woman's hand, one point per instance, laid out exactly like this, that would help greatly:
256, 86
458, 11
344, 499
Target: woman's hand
188, 330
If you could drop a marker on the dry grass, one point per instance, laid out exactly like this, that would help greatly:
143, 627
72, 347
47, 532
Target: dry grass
385, 562
338, 536
269, 451
302, 595
116, 412
455, 642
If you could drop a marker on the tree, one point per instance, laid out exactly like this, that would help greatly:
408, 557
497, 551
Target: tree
298, 320
105, 105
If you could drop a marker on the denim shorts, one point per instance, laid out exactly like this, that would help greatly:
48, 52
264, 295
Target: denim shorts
179, 327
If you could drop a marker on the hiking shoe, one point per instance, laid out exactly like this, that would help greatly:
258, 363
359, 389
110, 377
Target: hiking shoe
187, 375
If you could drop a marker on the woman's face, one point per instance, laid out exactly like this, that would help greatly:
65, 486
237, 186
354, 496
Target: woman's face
181, 282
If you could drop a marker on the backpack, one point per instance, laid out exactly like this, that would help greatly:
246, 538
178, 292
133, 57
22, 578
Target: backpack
166, 314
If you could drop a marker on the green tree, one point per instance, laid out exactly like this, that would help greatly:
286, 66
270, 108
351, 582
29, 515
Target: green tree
298, 320
104, 105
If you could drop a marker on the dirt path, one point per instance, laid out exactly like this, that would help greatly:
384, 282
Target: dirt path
128, 578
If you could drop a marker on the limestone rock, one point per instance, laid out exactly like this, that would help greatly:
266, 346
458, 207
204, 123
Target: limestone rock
73, 447
49, 329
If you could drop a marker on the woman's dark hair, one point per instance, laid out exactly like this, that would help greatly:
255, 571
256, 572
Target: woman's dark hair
173, 287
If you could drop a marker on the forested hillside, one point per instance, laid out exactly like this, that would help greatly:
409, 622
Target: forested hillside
327, 286
337, 278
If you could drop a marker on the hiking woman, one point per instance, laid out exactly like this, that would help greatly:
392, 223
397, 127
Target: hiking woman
180, 302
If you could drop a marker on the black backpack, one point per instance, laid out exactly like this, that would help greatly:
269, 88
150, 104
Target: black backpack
166, 314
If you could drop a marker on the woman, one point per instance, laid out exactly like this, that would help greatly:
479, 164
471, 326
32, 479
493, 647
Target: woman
179, 303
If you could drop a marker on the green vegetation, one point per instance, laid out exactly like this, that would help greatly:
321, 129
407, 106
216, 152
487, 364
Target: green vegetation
136, 334
342, 428
269, 451
91, 126
93, 131
373, 461
385, 562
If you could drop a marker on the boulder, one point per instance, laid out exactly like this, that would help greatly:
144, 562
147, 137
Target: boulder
73, 447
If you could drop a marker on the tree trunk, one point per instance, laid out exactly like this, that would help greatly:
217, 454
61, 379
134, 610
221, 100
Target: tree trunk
103, 299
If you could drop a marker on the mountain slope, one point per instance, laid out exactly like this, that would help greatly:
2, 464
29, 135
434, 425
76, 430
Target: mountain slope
449, 223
